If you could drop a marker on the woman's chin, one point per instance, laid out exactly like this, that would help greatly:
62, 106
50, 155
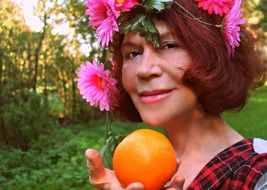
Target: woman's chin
153, 122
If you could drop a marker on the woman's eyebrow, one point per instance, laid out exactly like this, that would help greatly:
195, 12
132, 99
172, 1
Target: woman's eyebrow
133, 43
128, 44
165, 35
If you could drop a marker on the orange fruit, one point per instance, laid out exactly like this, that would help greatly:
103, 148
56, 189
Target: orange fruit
145, 156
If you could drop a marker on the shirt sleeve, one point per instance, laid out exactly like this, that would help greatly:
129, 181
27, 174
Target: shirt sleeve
262, 183
260, 164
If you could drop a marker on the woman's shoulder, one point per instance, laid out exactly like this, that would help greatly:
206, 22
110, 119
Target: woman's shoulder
240, 166
255, 162
254, 171
251, 171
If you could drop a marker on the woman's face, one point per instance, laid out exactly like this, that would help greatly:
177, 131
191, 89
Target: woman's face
152, 77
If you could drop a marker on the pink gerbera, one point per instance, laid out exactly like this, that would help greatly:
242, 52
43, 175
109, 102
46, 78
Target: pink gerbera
96, 85
125, 5
219, 7
102, 15
232, 23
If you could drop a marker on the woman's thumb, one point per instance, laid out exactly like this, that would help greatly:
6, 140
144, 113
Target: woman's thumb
95, 164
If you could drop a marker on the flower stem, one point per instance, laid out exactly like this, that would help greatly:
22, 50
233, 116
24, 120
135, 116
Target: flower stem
108, 131
107, 128
190, 15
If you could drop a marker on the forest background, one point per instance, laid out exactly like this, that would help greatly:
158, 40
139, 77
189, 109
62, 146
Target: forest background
45, 126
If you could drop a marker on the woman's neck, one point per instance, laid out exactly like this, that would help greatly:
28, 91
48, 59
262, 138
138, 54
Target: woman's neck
197, 139
200, 133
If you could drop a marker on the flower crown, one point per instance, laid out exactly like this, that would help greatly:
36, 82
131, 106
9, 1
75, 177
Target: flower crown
122, 16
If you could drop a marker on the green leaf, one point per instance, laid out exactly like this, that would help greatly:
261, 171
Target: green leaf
149, 31
144, 24
159, 5
107, 151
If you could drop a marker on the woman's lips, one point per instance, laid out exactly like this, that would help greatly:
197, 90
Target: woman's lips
150, 97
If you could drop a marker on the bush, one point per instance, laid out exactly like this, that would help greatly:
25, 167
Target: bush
55, 161
23, 119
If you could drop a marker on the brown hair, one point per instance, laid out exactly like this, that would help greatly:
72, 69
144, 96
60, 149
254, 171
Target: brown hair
220, 82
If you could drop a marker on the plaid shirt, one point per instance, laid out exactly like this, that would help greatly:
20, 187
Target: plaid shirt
238, 167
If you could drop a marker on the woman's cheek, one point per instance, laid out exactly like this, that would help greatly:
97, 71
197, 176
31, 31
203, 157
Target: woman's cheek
126, 76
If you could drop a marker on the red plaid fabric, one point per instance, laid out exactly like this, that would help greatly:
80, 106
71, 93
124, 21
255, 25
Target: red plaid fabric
238, 167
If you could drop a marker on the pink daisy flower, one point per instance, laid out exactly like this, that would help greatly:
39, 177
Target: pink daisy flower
219, 7
105, 30
233, 20
125, 5
102, 15
96, 86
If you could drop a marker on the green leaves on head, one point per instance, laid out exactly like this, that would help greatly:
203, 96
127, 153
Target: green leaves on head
140, 19
158, 5
143, 24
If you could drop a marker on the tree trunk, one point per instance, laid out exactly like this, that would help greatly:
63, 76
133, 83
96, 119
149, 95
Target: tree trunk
1, 69
3, 131
37, 54
2, 124
74, 103
45, 82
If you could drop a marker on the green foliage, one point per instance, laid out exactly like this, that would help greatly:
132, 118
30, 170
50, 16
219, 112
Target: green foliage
108, 149
140, 22
56, 107
56, 161
23, 119
158, 5
140, 19
38, 72
252, 120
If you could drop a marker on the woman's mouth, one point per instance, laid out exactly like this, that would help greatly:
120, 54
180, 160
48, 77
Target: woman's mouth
154, 96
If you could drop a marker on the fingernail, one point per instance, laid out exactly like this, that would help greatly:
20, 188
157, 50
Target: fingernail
89, 153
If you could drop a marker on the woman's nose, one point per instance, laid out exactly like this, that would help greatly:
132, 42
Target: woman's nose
149, 66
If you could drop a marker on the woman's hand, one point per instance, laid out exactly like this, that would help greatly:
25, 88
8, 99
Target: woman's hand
102, 178
177, 181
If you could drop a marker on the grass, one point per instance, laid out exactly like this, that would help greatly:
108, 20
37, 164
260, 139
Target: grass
252, 120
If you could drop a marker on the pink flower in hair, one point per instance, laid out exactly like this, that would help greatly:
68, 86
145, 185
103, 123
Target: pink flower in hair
125, 5
96, 85
105, 30
231, 28
102, 15
219, 7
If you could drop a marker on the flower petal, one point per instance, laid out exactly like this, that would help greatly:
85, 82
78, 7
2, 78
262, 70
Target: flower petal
99, 95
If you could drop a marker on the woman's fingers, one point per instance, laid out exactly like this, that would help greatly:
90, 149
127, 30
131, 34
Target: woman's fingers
102, 178
95, 166
178, 183
135, 186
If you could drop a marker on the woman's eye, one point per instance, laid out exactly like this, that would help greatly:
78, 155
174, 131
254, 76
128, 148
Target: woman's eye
132, 54
169, 46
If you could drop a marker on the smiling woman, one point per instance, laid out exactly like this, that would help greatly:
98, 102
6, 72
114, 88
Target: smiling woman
179, 65
152, 80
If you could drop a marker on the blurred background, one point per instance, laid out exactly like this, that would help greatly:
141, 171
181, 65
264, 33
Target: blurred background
45, 126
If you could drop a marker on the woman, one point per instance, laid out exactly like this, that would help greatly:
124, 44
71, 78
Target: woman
184, 82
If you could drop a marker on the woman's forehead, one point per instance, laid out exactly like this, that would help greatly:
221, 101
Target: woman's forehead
161, 26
